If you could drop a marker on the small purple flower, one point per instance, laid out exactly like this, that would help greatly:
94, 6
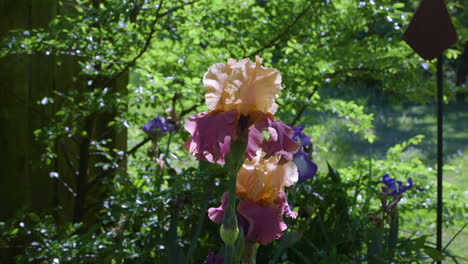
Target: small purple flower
305, 166
159, 125
395, 187
213, 259
300, 136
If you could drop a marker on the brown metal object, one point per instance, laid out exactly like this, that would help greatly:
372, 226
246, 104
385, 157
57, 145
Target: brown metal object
430, 31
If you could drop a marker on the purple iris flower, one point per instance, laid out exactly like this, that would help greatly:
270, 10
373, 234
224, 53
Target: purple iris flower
159, 125
300, 136
305, 166
395, 187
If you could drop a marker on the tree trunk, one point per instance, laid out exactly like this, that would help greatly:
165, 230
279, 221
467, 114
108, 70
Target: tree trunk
26, 80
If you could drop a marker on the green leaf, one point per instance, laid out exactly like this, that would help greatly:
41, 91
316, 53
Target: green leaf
35, 217
375, 250
14, 232
435, 254
333, 174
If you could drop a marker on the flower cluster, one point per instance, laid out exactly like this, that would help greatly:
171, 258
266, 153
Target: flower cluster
241, 98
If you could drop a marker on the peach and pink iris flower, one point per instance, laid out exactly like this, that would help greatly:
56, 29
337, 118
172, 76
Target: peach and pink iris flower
241, 98
261, 182
240, 90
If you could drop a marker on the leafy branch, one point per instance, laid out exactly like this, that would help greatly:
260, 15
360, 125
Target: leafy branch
283, 33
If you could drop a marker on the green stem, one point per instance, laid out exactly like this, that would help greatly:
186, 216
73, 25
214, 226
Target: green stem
393, 233
230, 221
229, 231
250, 253
160, 172
228, 253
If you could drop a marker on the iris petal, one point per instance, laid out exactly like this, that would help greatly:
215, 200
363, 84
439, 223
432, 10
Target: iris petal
211, 134
280, 142
261, 180
265, 223
217, 214
300, 136
305, 166
242, 85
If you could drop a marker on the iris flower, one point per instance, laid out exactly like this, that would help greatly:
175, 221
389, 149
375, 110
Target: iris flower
300, 136
158, 125
306, 167
261, 223
394, 187
261, 182
241, 98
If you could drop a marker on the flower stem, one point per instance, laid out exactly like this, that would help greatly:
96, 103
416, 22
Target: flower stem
250, 253
229, 231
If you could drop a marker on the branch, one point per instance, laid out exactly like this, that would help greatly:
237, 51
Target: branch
357, 69
134, 149
68, 161
178, 7
190, 109
149, 38
143, 50
118, 160
283, 33
303, 108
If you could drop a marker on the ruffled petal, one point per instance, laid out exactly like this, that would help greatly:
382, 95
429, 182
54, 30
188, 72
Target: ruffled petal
218, 96
265, 224
279, 143
283, 206
261, 180
217, 214
211, 133
305, 166
242, 85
